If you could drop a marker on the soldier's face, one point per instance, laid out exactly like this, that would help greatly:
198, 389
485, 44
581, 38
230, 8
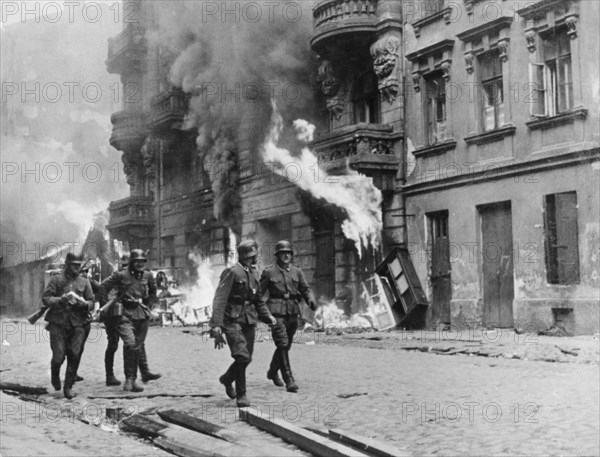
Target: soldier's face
138, 265
284, 258
74, 268
249, 261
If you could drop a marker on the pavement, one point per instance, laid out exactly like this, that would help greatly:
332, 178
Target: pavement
479, 392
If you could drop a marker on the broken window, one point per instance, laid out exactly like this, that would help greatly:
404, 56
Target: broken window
562, 242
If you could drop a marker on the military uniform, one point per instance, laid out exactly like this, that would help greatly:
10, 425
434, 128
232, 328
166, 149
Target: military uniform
236, 311
137, 291
281, 289
68, 324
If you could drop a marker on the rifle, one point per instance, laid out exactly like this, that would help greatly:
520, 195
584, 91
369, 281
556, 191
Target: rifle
33, 318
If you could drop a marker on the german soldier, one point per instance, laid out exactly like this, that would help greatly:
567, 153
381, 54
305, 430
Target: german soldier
236, 310
136, 290
282, 286
70, 299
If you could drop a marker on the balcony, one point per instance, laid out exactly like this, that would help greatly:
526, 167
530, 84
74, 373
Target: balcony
131, 212
129, 130
168, 110
334, 19
127, 50
369, 148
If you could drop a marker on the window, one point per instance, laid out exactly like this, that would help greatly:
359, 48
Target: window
552, 76
492, 111
366, 99
562, 243
168, 251
436, 108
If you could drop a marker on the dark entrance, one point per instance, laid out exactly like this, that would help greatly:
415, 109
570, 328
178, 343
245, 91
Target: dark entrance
441, 281
497, 262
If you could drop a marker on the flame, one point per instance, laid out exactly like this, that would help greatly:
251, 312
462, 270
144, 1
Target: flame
353, 192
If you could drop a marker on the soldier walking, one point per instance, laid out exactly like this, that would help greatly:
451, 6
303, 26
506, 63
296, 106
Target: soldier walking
282, 286
236, 310
70, 299
136, 290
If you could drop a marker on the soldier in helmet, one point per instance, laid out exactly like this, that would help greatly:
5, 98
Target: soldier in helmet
136, 290
70, 299
111, 324
236, 310
282, 286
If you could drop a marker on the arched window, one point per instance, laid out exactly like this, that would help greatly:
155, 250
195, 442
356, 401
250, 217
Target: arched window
366, 98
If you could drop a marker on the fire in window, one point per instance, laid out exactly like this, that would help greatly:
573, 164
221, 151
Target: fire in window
561, 237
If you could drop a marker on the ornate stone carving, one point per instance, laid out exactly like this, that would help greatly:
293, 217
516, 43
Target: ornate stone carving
336, 106
447, 15
530, 36
330, 84
416, 77
469, 6
149, 152
571, 22
446, 69
469, 62
131, 166
503, 48
386, 59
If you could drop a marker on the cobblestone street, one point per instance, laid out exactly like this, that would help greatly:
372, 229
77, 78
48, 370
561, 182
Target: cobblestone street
420, 402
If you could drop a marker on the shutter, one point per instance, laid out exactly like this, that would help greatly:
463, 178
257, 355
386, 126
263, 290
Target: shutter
538, 89
567, 239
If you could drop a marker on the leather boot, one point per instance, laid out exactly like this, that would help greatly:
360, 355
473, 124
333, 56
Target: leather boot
69, 381
229, 389
78, 378
109, 359
286, 371
131, 362
55, 379
240, 386
147, 375
273, 369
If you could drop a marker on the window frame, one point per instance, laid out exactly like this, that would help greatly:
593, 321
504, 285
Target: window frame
497, 82
432, 108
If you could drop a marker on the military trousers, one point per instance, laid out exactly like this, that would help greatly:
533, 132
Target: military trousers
133, 333
283, 335
67, 341
240, 338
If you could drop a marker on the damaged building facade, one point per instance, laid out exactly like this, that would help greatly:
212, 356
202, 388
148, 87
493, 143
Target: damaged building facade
476, 120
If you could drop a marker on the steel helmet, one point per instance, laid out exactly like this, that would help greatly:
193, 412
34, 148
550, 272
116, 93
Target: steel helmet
137, 254
283, 246
247, 249
73, 259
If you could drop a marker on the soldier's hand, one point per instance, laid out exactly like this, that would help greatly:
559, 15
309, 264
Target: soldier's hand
313, 305
217, 334
273, 320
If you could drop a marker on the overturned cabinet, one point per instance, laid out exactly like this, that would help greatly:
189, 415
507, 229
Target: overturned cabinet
402, 300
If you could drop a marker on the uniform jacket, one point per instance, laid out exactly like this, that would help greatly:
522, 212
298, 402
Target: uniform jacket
64, 314
281, 290
236, 298
132, 288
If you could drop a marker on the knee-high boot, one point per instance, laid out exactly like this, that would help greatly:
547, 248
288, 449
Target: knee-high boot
240, 385
286, 371
147, 375
274, 368
55, 373
109, 361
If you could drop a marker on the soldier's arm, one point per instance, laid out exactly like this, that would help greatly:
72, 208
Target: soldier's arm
221, 297
52, 296
88, 295
107, 285
305, 289
263, 296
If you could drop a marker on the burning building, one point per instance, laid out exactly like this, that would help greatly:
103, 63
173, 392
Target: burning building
214, 150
